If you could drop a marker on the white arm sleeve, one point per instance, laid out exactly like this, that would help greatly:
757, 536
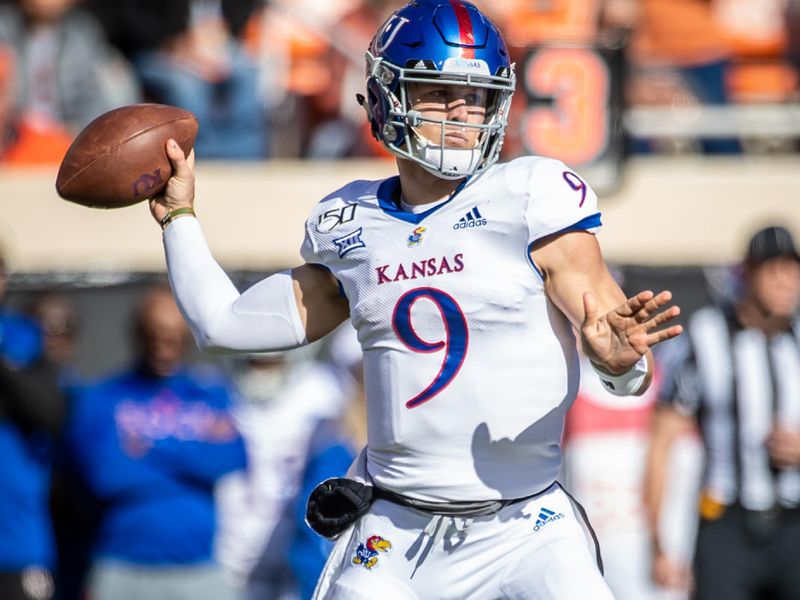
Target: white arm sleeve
263, 318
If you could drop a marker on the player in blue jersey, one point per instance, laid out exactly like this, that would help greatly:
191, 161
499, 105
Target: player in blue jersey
465, 280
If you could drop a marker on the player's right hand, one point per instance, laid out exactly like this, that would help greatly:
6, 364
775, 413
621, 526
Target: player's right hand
179, 192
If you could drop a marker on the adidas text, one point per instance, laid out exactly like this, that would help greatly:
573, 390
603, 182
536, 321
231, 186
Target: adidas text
473, 218
464, 224
546, 516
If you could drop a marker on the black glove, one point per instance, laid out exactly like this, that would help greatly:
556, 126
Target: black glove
335, 504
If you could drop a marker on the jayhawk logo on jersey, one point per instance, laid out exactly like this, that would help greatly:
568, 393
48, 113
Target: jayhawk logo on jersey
367, 552
415, 239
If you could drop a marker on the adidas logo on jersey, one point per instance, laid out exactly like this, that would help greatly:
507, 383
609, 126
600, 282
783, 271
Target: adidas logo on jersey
546, 516
472, 219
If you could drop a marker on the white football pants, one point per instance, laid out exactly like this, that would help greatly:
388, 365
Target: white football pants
534, 549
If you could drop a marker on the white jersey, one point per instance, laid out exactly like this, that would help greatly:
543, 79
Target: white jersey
251, 502
469, 369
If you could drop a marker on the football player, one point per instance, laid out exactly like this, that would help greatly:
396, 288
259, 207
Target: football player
466, 280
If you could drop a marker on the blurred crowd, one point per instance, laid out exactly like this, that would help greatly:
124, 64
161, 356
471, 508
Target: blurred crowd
279, 78
167, 478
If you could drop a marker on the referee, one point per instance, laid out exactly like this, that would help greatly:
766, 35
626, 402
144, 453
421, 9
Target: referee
737, 376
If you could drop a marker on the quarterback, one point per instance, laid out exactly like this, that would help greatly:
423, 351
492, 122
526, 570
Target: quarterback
467, 281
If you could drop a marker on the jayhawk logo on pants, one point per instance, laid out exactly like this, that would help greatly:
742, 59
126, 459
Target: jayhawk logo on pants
367, 553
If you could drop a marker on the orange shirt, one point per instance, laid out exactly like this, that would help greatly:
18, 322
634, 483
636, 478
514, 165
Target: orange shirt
678, 32
536, 22
753, 28
37, 142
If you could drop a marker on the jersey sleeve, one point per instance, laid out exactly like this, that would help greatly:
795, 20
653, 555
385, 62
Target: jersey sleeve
308, 250
560, 200
320, 248
332, 229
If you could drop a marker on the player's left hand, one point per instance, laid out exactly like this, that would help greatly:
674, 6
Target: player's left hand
617, 340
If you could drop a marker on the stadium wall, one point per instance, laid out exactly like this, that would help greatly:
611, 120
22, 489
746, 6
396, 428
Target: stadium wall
667, 211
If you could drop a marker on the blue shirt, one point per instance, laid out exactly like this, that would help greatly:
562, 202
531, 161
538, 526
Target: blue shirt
25, 535
329, 455
150, 449
20, 340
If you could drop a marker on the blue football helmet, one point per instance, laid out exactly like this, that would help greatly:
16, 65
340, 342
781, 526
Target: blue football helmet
445, 42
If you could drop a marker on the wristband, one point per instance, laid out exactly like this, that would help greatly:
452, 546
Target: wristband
625, 384
173, 214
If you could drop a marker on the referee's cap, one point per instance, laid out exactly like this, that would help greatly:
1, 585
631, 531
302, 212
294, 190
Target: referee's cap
771, 242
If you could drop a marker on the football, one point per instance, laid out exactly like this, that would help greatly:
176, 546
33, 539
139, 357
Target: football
120, 158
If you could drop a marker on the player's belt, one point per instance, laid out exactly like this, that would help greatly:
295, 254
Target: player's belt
480, 508
337, 503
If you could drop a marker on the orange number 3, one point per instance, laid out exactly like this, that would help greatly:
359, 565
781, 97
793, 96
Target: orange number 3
575, 129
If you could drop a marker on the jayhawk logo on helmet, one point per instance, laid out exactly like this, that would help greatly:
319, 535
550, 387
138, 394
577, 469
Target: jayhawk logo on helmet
367, 552
448, 42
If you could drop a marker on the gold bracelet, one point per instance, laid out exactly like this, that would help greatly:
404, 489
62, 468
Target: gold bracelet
171, 215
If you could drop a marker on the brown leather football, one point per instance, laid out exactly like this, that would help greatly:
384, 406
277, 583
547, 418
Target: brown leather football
120, 158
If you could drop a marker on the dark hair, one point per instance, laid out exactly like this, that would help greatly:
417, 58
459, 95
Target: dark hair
768, 243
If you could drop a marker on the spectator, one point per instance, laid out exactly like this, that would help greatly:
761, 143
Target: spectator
338, 126
60, 73
189, 53
150, 444
680, 56
24, 140
58, 322
71, 521
31, 410
282, 397
736, 373
334, 445
536, 23
605, 447
793, 32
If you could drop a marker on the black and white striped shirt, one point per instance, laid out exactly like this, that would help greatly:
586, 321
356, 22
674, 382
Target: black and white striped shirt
739, 384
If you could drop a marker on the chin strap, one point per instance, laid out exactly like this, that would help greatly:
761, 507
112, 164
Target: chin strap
448, 163
452, 163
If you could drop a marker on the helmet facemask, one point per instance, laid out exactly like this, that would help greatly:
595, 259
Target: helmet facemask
389, 87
